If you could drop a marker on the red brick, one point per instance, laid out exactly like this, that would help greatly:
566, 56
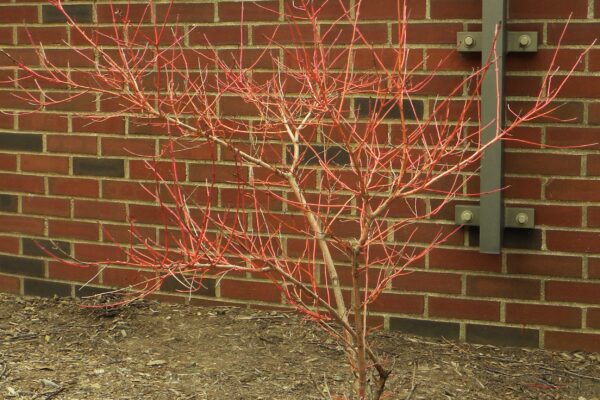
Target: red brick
593, 217
576, 33
218, 35
122, 233
571, 137
185, 12
542, 164
594, 113
9, 284
455, 9
430, 33
68, 272
133, 12
398, 303
73, 229
523, 85
99, 252
283, 34
74, 187
536, 314
22, 183
593, 318
544, 265
451, 60
45, 35
115, 146
530, 9
581, 86
247, 290
577, 242
41, 163
389, 9
462, 308
263, 11
593, 60
576, 292
593, 165
430, 282
120, 277
99, 210
42, 121
124, 191
464, 260
9, 244
428, 233
338, 34
574, 190
76, 144
46, 206
18, 14
327, 10
115, 125
557, 215
6, 121
8, 162
515, 288
138, 169
6, 36
594, 268
572, 341
147, 214
565, 59
20, 224
83, 102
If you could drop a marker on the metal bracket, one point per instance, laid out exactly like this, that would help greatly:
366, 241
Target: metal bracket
516, 42
491, 215
514, 217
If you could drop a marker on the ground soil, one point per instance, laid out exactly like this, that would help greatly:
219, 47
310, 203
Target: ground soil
54, 349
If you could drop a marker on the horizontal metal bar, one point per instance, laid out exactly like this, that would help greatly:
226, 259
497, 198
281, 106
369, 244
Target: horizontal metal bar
514, 217
517, 42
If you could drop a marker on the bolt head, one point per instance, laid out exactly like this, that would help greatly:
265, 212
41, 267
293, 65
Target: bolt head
524, 40
522, 218
469, 41
466, 216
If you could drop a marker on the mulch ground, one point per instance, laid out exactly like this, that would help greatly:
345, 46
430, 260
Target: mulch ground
54, 349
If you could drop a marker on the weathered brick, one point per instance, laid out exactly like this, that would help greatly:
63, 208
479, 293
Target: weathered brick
21, 142
31, 247
411, 109
204, 288
21, 266
448, 330
503, 336
78, 12
335, 155
44, 288
98, 167
9, 203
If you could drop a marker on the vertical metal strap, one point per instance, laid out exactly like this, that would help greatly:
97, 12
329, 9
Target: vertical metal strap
492, 117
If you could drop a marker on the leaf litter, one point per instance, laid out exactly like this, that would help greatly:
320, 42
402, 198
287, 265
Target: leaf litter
54, 349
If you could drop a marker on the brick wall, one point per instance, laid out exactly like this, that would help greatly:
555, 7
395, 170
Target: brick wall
66, 179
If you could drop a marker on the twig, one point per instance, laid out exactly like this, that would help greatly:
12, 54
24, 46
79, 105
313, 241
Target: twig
566, 371
413, 387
